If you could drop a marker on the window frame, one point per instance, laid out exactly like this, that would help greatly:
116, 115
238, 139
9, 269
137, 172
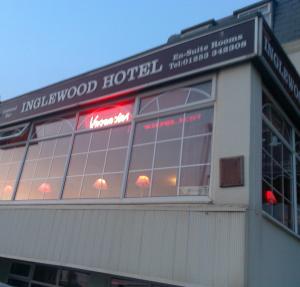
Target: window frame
292, 149
190, 107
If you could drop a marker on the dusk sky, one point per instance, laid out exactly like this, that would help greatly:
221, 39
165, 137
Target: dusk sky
46, 41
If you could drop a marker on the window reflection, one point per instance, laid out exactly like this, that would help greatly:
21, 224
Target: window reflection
10, 160
43, 170
175, 98
171, 150
97, 164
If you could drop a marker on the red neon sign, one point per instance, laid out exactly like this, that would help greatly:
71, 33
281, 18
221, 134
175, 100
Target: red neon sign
173, 122
110, 116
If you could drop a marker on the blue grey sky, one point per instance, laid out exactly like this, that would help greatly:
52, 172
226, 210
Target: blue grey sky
45, 41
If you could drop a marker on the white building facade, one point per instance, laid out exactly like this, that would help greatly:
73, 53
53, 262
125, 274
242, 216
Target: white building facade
176, 167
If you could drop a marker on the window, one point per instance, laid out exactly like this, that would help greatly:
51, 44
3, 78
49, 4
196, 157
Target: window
265, 10
171, 156
39, 275
155, 145
280, 180
45, 162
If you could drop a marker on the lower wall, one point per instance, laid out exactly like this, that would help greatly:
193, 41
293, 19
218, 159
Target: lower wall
183, 245
274, 254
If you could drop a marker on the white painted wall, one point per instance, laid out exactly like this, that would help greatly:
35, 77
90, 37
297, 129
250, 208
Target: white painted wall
183, 244
191, 248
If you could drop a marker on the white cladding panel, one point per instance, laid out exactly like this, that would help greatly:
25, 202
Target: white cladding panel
193, 247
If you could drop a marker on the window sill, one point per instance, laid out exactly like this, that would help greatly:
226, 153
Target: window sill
201, 203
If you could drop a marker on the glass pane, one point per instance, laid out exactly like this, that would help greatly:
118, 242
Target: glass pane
99, 140
199, 122
173, 98
73, 279
297, 139
167, 154
9, 169
266, 167
200, 92
51, 188
194, 180
23, 190
169, 127
54, 127
95, 162
7, 188
148, 105
276, 145
45, 274
145, 132
62, 146
72, 187
119, 136
277, 177
29, 169
42, 168
47, 148
164, 182
138, 184
111, 186
196, 150
266, 138
34, 150
81, 143
77, 164
142, 157
115, 160
90, 187
57, 166
287, 219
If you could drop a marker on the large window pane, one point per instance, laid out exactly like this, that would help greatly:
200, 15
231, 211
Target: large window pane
165, 182
174, 144
175, 98
45, 274
97, 164
194, 180
10, 160
43, 171
54, 127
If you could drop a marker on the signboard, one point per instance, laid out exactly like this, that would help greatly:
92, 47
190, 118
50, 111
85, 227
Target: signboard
280, 64
226, 46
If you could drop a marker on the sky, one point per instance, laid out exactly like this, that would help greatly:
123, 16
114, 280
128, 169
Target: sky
46, 41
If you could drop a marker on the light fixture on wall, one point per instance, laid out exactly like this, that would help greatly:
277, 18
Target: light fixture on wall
142, 181
100, 184
45, 188
270, 197
8, 189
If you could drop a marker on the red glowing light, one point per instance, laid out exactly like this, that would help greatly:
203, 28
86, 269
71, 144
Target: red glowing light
173, 122
143, 181
270, 197
100, 183
8, 188
105, 117
45, 187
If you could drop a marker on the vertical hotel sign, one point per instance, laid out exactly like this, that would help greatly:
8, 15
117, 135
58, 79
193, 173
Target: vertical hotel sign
280, 64
215, 49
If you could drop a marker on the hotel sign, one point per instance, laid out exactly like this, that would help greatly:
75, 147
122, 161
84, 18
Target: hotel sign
218, 48
280, 65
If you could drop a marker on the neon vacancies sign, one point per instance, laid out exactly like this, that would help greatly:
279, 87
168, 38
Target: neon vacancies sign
222, 47
120, 113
